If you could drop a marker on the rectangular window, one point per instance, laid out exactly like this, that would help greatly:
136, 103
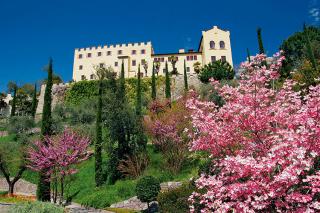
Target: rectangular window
134, 62
188, 58
195, 57
191, 57
188, 69
101, 65
108, 52
80, 67
83, 77
80, 55
213, 58
223, 58
119, 52
143, 51
164, 70
133, 52
89, 55
99, 54
162, 59
92, 76
116, 64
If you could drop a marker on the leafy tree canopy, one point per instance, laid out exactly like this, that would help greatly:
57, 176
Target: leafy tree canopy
217, 70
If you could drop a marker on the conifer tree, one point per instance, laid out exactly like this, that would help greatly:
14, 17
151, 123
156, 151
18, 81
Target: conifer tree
310, 51
43, 190
168, 83
186, 87
153, 84
138, 94
99, 177
122, 86
14, 101
34, 101
260, 42
248, 55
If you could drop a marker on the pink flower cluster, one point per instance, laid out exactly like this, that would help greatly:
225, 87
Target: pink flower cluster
57, 155
265, 141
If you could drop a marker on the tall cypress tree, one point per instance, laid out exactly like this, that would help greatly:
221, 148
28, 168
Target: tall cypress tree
34, 102
138, 94
43, 190
153, 84
14, 101
248, 55
260, 42
310, 52
168, 83
122, 86
186, 87
99, 177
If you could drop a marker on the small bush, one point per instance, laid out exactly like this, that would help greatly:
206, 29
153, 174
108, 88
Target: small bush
176, 200
20, 124
148, 189
133, 166
36, 207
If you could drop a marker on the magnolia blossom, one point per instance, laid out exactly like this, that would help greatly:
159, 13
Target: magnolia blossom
265, 142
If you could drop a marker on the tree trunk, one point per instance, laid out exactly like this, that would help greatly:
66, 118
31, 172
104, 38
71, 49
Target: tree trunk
11, 188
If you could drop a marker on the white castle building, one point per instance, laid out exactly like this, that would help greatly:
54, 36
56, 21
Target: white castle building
214, 45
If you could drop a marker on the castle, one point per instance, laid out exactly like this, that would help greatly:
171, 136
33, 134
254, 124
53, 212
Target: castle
214, 45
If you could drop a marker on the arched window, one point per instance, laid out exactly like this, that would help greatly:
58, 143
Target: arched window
212, 44
222, 45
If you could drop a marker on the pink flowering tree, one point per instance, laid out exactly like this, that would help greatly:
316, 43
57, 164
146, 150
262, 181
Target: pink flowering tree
58, 156
264, 144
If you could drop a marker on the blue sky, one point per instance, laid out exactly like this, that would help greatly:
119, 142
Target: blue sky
32, 31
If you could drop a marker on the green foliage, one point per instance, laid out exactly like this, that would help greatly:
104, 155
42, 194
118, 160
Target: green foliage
117, 210
99, 178
217, 70
147, 189
310, 52
153, 84
208, 93
36, 207
84, 113
176, 200
34, 101
20, 124
185, 76
168, 83
260, 42
14, 101
138, 94
296, 51
248, 55
81, 91
43, 189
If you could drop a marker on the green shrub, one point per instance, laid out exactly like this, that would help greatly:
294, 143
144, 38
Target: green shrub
217, 70
147, 189
36, 207
20, 124
176, 200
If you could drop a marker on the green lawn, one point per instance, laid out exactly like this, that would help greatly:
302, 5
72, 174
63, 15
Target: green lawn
8, 138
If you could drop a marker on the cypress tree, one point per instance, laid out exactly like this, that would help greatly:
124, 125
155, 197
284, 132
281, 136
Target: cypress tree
168, 84
122, 86
186, 88
310, 52
14, 101
34, 101
260, 42
98, 145
43, 190
153, 84
138, 95
248, 55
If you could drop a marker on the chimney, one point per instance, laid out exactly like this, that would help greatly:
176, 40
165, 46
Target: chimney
181, 51
190, 50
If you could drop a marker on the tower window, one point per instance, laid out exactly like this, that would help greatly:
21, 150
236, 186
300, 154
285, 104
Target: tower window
80, 55
89, 55
223, 58
134, 62
213, 58
119, 52
108, 52
133, 52
143, 51
212, 45
222, 45
80, 67
99, 53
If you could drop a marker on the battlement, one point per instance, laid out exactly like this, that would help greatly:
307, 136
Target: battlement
112, 46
